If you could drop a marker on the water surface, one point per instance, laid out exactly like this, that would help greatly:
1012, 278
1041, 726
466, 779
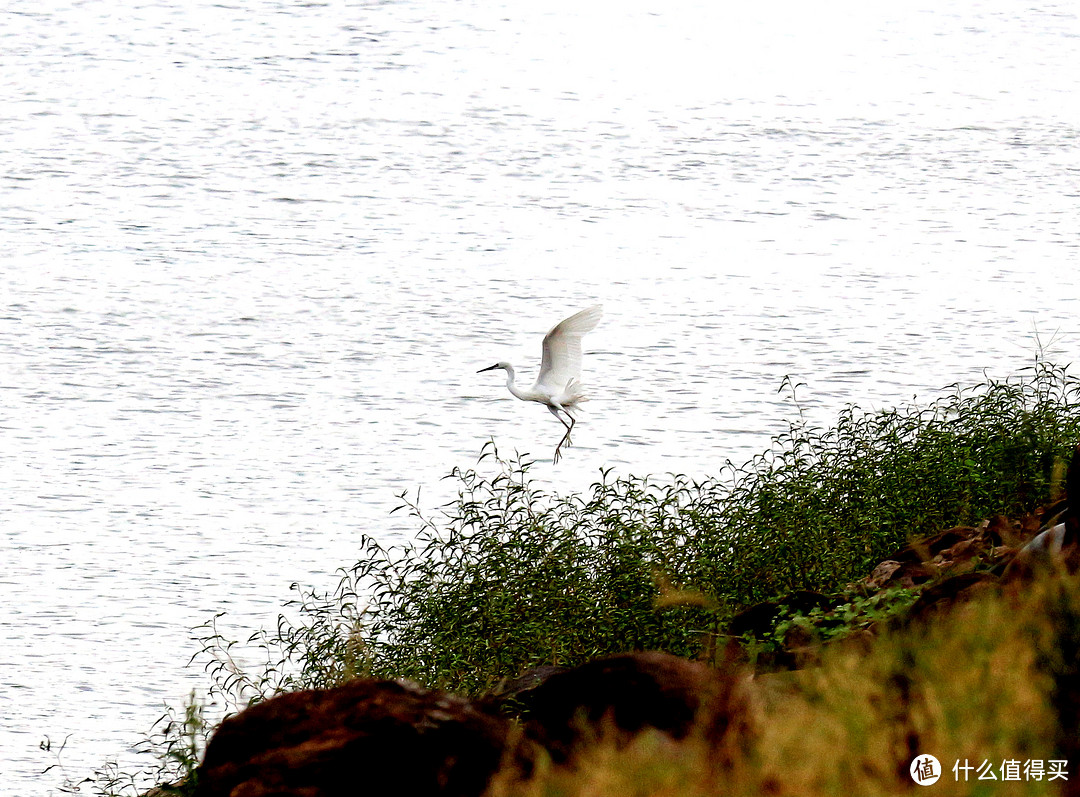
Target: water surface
255, 256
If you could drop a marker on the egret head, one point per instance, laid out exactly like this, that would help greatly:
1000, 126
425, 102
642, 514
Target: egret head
504, 365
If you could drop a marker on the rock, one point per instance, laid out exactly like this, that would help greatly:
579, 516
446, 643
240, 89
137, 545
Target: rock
1059, 544
906, 574
946, 593
1000, 530
951, 552
959, 553
389, 737
882, 574
508, 694
368, 736
759, 619
628, 693
927, 548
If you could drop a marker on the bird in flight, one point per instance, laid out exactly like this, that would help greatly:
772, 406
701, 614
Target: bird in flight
559, 384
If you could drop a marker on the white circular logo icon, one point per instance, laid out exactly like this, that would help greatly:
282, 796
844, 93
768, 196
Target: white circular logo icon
925, 770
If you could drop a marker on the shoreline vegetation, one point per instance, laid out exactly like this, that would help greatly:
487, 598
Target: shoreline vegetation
772, 567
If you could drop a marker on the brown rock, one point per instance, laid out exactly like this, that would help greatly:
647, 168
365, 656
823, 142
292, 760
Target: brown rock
928, 547
962, 551
635, 691
509, 690
911, 573
759, 619
882, 574
368, 736
947, 593
1000, 529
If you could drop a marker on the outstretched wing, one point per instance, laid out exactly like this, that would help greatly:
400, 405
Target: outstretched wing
562, 350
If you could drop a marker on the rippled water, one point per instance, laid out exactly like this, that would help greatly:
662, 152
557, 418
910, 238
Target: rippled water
255, 256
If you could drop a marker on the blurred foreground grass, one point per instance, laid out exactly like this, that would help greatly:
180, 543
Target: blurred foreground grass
991, 686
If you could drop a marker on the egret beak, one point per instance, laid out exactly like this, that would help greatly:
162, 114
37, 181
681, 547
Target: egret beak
489, 368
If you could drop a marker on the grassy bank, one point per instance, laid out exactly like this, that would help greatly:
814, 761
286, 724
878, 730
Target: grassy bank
508, 576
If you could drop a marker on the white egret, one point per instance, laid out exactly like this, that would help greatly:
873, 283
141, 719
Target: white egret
559, 384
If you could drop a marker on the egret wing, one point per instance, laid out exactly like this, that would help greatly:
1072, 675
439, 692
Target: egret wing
562, 350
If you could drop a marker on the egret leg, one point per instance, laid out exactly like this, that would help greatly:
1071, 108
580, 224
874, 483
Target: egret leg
566, 437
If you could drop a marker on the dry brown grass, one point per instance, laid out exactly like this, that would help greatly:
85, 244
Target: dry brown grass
977, 684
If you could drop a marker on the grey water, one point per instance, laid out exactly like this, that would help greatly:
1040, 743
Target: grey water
254, 254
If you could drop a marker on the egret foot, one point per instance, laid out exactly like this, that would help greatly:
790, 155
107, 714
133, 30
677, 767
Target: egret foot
566, 441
